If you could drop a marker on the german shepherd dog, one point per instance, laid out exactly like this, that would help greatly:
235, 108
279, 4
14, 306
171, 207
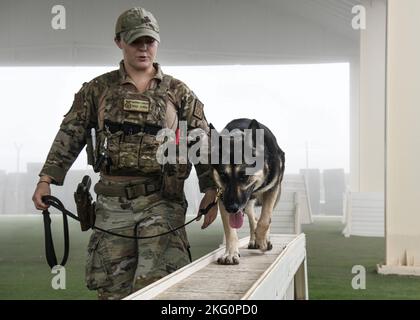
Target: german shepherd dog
241, 190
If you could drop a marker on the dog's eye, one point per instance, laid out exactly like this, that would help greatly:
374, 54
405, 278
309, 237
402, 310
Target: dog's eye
243, 178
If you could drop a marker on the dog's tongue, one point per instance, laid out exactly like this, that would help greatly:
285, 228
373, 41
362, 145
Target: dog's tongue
236, 219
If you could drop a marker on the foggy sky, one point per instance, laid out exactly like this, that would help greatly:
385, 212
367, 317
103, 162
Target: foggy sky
299, 103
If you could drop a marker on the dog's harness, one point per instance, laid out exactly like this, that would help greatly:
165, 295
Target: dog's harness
56, 203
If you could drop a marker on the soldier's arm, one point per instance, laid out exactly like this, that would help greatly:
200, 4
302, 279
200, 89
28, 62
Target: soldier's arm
193, 112
69, 140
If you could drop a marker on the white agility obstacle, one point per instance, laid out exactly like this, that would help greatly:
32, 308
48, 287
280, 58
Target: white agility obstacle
364, 214
298, 184
274, 275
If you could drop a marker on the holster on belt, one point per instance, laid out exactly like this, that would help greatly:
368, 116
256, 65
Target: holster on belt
85, 205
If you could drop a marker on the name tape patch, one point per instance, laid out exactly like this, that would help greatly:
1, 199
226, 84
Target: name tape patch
136, 105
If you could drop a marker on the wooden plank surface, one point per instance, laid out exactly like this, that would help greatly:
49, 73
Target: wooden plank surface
225, 281
205, 279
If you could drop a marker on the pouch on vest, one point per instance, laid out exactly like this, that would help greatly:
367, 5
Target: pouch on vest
131, 122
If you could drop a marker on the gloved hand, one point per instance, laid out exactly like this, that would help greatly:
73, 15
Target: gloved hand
208, 198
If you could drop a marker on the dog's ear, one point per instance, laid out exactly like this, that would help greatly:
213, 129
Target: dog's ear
213, 130
254, 126
214, 141
212, 127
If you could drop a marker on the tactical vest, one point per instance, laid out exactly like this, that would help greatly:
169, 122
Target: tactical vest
128, 134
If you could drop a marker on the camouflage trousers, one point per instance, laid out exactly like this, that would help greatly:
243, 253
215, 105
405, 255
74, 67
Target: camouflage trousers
118, 266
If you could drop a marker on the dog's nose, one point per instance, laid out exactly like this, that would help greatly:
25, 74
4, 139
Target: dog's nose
232, 208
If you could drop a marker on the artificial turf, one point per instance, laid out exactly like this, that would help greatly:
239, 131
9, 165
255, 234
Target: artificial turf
331, 258
24, 273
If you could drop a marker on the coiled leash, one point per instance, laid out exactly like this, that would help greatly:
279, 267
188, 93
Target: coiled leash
56, 203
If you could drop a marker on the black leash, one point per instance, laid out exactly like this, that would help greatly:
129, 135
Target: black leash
49, 244
56, 203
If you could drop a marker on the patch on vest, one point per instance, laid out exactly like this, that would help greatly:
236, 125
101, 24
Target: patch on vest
136, 105
198, 109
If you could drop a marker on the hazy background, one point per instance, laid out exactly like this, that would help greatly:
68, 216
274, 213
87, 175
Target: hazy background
306, 107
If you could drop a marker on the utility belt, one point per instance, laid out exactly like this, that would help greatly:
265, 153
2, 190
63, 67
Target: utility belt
86, 206
130, 191
171, 188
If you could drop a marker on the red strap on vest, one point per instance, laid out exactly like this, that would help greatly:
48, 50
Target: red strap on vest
177, 136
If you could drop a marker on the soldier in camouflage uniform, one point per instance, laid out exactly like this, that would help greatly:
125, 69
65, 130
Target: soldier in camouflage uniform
124, 109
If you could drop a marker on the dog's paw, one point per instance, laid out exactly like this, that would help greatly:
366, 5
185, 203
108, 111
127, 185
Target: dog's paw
228, 259
252, 245
263, 245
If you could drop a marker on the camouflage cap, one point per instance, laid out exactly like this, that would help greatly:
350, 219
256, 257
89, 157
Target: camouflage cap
137, 22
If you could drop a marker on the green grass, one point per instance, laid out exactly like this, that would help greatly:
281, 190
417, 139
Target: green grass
331, 257
24, 273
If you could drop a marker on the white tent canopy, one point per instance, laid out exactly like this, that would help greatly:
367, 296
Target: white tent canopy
203, 32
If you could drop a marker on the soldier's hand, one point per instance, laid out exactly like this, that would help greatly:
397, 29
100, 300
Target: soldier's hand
208, 198
42, 189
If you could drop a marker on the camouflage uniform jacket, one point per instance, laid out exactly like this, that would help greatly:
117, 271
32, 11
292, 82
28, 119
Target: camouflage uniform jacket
85, 114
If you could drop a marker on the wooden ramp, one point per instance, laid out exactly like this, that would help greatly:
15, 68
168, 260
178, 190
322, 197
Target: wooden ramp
273, 275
